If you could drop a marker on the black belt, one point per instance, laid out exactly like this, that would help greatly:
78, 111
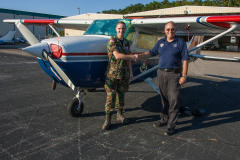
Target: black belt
175, 70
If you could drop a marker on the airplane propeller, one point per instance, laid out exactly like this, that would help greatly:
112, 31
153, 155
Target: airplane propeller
75, 107
60, 72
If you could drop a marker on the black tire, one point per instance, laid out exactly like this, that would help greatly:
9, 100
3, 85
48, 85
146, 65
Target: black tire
91, 90
198, 112
73, 109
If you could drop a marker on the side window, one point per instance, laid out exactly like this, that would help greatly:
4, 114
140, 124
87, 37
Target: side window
129, 35
146, 40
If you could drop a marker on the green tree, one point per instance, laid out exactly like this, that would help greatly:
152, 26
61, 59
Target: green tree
152, 6
166, 4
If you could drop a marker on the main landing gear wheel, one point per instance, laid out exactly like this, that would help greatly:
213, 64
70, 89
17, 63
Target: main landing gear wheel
75, 107
91, 89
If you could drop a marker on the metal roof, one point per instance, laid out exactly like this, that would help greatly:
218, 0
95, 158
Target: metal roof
11, 11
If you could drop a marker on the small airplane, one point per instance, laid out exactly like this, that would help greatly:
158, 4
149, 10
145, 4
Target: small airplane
79, 62
8, 38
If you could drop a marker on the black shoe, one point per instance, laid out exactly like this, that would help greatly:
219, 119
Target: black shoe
158, 124
169, 132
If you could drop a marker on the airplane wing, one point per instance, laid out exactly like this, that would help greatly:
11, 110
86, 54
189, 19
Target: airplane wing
81, 24
194, 25
217, 26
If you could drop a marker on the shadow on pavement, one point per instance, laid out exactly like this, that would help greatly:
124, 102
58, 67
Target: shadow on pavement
220, 100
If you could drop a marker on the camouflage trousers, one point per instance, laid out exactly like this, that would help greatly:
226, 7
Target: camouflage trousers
115, 89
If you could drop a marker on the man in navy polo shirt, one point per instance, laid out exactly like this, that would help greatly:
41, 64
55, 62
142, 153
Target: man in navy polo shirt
172, 73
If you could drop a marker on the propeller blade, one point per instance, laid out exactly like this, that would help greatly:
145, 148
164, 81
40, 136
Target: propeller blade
60, 72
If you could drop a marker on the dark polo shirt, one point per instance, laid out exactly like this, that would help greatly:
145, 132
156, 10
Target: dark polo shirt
171, 53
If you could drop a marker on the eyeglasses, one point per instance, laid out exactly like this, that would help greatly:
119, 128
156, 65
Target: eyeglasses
170, 29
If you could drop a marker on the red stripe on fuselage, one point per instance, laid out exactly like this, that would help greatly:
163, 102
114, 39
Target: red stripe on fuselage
47, 21
84, 54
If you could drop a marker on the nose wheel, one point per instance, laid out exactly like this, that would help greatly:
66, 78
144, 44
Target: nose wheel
75, 107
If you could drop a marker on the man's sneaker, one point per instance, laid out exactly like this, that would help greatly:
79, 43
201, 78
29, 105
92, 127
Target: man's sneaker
158, 124
169, 132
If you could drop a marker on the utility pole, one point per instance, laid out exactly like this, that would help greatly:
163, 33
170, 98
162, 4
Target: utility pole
78, 10
228, 3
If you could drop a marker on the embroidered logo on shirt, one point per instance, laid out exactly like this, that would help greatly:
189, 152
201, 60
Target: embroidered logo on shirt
161, 45
175, 45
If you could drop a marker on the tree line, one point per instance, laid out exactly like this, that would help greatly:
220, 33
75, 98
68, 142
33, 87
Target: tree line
166, 4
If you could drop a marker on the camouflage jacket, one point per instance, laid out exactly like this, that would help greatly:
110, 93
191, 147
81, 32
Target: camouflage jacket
117, 69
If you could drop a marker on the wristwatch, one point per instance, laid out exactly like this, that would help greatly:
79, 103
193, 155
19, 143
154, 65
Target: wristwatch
185, 77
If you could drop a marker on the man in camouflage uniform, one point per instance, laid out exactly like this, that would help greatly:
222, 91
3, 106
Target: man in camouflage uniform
118, 73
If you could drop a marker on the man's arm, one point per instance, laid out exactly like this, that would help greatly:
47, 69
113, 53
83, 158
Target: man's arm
183, 78
124, 56
144, 55
130, 69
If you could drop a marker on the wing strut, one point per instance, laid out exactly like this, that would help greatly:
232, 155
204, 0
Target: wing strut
233, 27
54, 30
149, 81
144, 73
212, 58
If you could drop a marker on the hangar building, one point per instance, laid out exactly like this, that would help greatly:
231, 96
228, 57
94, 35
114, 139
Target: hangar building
224, 43
230, 42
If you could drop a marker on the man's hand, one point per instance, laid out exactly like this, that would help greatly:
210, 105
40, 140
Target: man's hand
131, 76
136, 57
182, 80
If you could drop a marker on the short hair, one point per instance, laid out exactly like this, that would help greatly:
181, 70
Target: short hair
121, 22
171, 23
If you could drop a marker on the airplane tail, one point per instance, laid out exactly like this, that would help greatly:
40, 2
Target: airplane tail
8, 37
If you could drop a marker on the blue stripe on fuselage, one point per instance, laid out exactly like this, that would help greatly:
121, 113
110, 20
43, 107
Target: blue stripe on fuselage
88, 74
82, 74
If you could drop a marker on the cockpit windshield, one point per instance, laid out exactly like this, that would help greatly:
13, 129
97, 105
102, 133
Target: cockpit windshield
107, 27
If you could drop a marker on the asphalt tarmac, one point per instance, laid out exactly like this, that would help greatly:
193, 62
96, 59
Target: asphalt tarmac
35, 124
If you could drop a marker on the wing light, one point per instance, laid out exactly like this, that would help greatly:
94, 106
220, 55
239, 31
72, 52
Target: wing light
56, 51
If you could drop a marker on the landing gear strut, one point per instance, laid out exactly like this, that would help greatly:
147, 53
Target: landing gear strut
75, 107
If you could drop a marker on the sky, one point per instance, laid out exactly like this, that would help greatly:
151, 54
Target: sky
69, 7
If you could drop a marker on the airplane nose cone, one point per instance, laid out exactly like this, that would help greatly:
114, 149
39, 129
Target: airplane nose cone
36, 50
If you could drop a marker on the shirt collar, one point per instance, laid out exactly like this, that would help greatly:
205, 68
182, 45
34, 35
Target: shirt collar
165, 39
